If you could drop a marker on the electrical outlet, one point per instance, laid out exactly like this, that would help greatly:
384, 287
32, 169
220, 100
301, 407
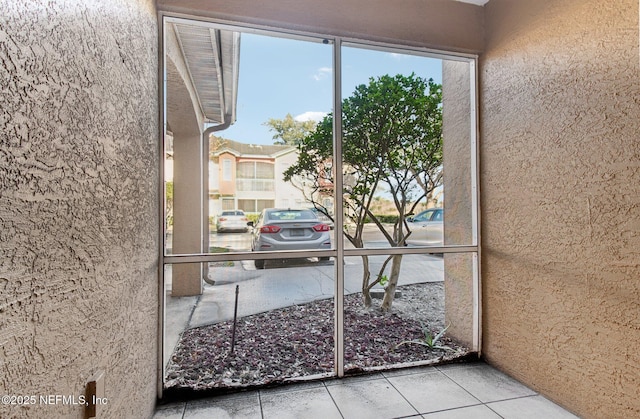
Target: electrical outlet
96, 399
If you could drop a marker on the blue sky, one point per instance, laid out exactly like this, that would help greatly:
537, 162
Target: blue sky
280, 76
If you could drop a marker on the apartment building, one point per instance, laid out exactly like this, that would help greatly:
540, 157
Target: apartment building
249, 177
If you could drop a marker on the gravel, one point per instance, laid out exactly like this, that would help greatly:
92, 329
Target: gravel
296, 342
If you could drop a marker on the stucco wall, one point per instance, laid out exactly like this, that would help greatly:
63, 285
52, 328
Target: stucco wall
560, 160
78, 203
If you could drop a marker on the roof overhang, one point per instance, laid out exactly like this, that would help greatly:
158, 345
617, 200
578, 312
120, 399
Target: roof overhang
476, 2
212, 59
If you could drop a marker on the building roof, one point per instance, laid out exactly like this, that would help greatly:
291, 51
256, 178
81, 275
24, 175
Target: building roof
249, 150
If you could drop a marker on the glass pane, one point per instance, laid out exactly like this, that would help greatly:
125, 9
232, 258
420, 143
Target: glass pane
264, 171
247, 205
271, 200
226, 170
406, 141
397, 318
246, 170
284, 91
458, 283
458, 178
263, 204
281, 328
284, 323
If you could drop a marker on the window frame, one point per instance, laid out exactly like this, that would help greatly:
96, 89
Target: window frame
338, 252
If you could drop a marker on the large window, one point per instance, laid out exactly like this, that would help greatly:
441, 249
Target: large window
255, 205
226, 169
376, 146
255, 170
255, 176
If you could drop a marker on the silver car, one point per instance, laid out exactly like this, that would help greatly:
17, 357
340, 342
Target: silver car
289, 229
426, 228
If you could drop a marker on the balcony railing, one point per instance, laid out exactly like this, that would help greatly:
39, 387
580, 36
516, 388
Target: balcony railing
255, 185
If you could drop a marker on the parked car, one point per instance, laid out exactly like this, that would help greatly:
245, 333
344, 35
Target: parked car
323, 217
234, 220
289, 229
426, 228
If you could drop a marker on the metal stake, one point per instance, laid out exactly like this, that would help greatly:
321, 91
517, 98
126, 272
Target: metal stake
235, 318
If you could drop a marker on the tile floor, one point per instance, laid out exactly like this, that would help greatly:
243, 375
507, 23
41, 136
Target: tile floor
458, 391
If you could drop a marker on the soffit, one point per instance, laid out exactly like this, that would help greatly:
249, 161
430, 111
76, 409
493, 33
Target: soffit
212, 58
476, 2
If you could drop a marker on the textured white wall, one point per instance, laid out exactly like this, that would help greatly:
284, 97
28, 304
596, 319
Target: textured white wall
560, 107
78, 203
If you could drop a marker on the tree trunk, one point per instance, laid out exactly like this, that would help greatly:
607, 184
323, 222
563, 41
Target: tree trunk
366, 275
390, 291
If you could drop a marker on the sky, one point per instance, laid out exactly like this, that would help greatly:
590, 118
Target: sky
280, 76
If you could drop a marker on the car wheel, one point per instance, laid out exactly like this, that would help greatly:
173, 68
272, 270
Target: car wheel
259, 264
324, 258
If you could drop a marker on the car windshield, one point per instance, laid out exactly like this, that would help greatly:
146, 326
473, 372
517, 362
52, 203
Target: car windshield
232, 213
423, 216
291, 215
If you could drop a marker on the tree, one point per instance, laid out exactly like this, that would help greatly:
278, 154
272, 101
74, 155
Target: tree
215, 144
288, 131
392, 141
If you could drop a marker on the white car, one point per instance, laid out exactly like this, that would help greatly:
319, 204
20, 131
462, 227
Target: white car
427, 228
234, 220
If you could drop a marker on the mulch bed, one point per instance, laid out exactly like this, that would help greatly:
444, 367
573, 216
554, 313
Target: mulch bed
297, 342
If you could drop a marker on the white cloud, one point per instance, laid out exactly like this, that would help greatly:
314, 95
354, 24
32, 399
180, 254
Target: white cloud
322, 73
310, 116
397, 56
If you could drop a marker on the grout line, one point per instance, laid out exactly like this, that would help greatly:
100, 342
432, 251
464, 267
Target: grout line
332, 399
402, 395
512, 398
260, 403
453, 409
486, 404
489, 407
460, 385
479, 402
